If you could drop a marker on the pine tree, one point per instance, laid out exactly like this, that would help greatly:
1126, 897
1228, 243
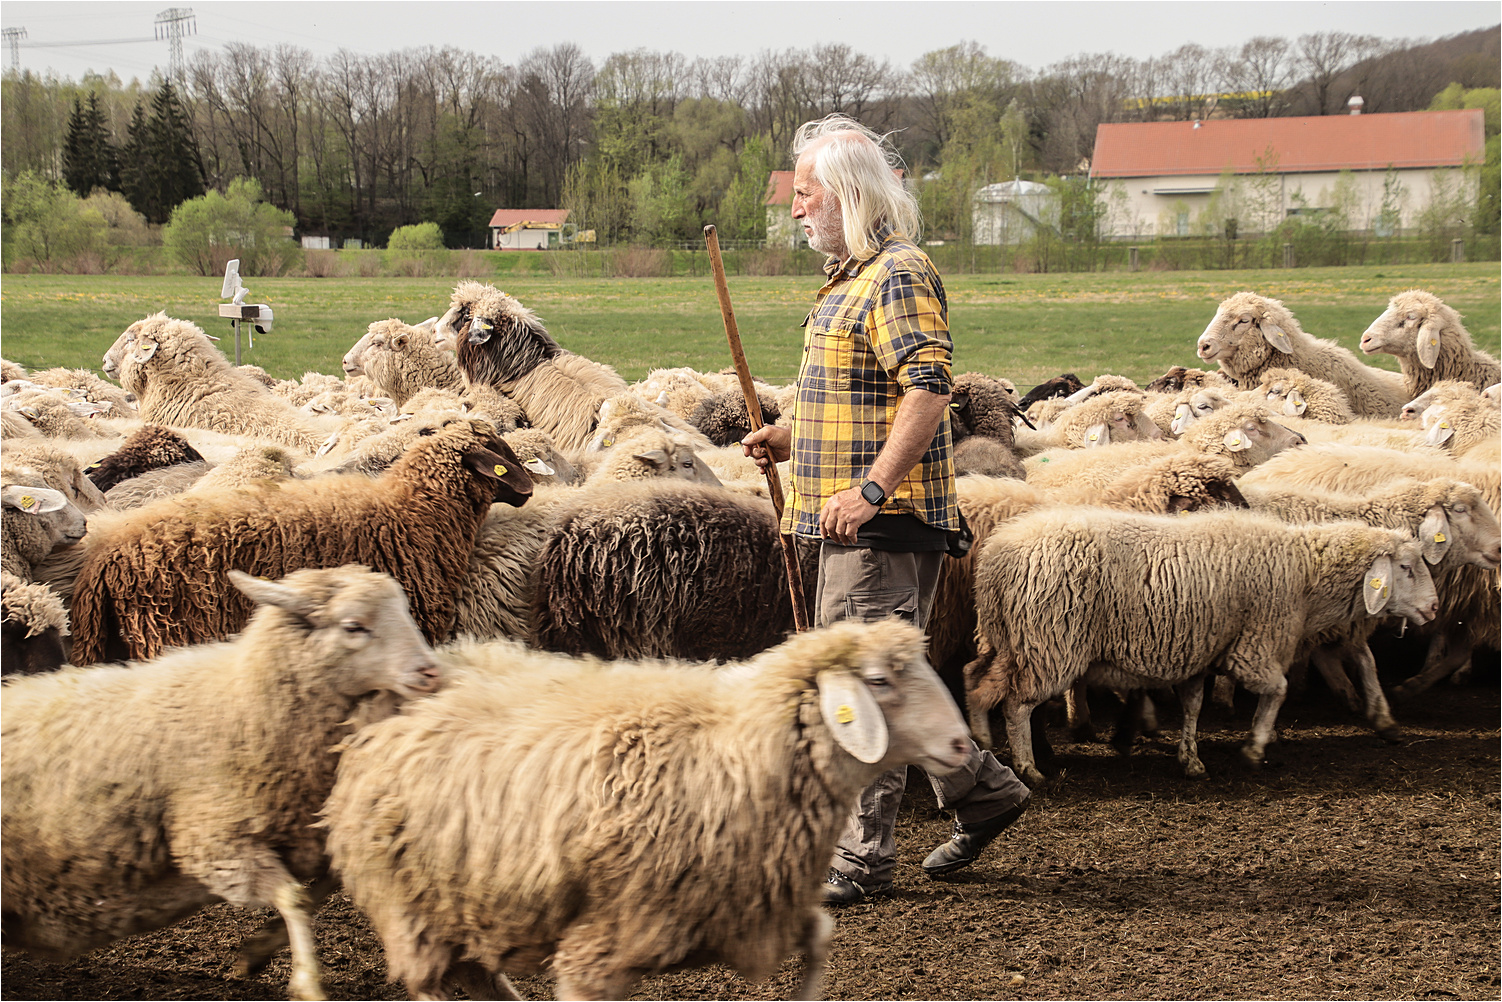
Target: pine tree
162, 165
89, 157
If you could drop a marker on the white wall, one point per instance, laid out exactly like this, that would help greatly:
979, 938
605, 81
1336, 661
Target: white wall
522, 239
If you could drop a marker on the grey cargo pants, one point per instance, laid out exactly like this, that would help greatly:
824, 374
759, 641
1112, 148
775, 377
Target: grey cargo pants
857, 582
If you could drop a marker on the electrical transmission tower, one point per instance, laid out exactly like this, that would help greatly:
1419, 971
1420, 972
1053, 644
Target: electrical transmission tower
13, 38
172, 24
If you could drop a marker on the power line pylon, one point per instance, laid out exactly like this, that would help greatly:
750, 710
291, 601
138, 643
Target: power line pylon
13, 38
172, 24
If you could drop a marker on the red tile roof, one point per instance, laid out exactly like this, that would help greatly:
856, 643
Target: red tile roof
1318, 143
779, 188
510, 217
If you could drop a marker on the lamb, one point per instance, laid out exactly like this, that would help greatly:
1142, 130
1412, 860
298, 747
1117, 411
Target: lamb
155, 573
661, 569
180, 378
651, 453
136, 794
1251, 334
401, 359
621, 820
1140, 600
503, 344
150, 447
1430, 342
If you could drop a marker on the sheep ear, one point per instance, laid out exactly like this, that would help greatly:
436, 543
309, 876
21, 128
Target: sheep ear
1183, 417
400, 341
1434, 534
1294, 404
480, 330
1275, 337
274, 593
1439, 432
540, 468
1097, 434
656, 457
1376, 589
1428, 342
1236, 440
428, 324
851, 713
32, 500
144, 351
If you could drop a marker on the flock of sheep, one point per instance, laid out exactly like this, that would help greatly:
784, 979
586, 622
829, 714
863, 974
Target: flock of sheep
450, 631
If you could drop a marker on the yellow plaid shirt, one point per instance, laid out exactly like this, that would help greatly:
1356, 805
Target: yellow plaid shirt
879, 328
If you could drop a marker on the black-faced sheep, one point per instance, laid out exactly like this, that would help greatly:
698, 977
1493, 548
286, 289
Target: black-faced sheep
151, 447
621, 820
1062, 385
154, 577
1430, 343
136, 794
1251, 334
503, 344
180, 378
1137, 600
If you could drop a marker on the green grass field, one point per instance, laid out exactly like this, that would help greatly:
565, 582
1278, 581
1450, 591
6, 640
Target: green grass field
1025, 327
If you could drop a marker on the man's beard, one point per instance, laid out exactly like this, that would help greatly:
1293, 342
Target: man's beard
828, 225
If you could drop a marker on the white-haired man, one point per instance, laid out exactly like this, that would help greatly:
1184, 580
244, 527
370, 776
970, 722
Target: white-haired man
873, 470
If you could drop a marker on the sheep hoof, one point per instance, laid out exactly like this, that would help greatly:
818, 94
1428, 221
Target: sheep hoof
1392, 734
1032, 777
1253, 758
1085, 734
1194, 769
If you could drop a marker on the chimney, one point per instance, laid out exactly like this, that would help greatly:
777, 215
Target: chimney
1355, 104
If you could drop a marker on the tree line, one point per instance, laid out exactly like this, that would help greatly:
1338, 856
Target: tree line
647, 146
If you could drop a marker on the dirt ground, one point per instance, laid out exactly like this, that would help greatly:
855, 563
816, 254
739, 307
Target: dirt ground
1347, 868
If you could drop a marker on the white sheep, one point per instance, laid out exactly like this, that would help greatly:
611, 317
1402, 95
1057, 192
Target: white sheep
401, 359
136, 794
616, 820
1142, 600
648, 453
1430, 343
1251, 334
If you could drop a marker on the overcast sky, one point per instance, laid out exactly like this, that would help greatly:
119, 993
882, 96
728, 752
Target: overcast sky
1034, 34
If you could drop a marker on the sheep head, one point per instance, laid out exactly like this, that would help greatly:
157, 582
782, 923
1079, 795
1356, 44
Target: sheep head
1412, 326
1245, 434
1243, 326
498, 339
158, 341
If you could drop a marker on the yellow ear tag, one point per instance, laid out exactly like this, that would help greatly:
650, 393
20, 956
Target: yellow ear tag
844, 714
1093, 436
609, 442
1434, 341
1444, 424
1439, 537
1376, 582
500, 470
1236, 440
28, 502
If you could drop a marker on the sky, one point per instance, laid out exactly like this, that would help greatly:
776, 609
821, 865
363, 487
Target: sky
70, 37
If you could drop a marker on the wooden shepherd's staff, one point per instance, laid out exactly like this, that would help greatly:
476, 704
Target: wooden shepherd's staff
753, 410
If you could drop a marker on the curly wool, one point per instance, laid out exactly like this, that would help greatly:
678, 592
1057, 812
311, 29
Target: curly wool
159, 573
723, 419
1175, 484
150, 447
982, 405
33, 622
662, 568
1372, 392
401, 359
675, 816
1325, 401
1396, 332
11, 370
94, 389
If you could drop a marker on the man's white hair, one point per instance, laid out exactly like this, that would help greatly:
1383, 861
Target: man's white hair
860, 167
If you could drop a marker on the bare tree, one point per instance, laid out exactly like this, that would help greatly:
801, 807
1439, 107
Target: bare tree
1322, 57
553, 103
1259, 74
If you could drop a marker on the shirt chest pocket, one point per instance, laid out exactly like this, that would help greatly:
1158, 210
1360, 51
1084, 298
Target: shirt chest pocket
831, 346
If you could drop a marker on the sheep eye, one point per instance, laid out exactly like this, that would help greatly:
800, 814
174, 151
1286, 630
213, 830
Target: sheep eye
878, 681
354, 626
1459, 509
426, 431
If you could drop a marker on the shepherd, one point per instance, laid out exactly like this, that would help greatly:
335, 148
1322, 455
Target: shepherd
872, 462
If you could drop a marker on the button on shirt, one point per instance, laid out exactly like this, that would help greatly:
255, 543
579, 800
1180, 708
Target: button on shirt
879, 328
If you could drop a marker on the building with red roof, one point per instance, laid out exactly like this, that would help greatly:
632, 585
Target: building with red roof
1161, 175
526, 229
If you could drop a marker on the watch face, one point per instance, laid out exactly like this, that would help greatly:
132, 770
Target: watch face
873, 493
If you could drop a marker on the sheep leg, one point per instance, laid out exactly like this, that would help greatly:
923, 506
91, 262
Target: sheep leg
816, 935
1127, 725
1377, 712
1191, 697
1263, 734
1019, 716
1148, 715
1331, 669
479, 983
1223, 692
981, 676
257, 951
291, 900
1077, 705
1446, 656
980, 724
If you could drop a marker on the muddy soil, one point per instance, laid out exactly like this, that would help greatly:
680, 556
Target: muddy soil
1346, 868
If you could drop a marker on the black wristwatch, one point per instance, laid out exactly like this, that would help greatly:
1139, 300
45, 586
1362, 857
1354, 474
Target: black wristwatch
872, 492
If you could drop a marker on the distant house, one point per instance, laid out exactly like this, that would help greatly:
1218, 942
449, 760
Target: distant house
526, 229
1168, 171
782, 229
1012, 211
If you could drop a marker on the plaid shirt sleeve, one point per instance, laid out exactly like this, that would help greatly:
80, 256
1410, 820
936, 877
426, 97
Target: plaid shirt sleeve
910, 333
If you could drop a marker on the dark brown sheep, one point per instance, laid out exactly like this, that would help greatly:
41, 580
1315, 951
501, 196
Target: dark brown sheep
722, 416
157, 578
1059, 386
150, 447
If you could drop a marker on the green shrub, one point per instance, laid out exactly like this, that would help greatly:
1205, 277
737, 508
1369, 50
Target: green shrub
420, 236
206, 232
49, 228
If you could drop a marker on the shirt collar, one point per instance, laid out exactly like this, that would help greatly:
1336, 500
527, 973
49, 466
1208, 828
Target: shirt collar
833, 268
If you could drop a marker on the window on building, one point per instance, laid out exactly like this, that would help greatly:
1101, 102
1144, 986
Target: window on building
1183, 224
